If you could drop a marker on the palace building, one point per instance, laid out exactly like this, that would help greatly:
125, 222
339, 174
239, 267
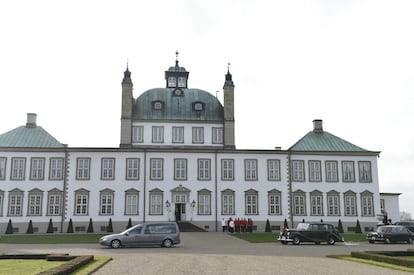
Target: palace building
177, 161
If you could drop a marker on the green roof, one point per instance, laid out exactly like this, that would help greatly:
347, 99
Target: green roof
324, 141
33, 137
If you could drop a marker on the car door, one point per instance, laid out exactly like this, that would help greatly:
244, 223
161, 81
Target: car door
151, 236
133, 237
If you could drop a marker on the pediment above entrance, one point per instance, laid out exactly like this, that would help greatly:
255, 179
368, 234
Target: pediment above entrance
181, 189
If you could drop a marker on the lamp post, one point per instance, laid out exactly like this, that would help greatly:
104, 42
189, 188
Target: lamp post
168, 204
192, 204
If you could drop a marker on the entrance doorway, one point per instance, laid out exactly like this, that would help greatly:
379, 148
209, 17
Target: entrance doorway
180, 212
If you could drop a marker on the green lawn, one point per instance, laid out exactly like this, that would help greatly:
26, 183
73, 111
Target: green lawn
11, 267
272, 237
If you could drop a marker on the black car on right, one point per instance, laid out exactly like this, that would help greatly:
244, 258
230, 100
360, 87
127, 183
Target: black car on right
391, 234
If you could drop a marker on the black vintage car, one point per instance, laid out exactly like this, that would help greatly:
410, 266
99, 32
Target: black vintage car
311, 232
391, 234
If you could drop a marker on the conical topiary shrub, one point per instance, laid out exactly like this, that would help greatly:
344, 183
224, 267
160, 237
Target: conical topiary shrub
70, 227
268, 228
303, 220
9, 229
358, 228
109, 227
30, 228
285, 224
340, 227
90, 226
129, 223
50, 227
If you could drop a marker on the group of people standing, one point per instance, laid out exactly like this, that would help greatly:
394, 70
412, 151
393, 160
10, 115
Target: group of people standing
237, 225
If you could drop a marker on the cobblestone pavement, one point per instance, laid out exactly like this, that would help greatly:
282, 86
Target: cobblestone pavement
219, 253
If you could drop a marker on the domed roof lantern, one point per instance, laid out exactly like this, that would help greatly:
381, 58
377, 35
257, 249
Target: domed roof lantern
176, 76
127, 76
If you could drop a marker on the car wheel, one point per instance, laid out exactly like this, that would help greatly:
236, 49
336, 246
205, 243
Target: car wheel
331, 240
167, 243
410, 240
371, 241
387, 241
116, 244
296, 241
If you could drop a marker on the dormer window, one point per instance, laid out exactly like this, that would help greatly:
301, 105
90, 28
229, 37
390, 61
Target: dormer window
198, 106
181, 82
172, 81
157, 105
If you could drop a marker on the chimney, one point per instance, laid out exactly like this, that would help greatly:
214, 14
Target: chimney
317, 126
31, 120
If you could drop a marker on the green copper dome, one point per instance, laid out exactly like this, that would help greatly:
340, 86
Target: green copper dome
177, 104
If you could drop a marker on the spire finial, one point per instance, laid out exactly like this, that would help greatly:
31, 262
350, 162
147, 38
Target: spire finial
228, 67
176, 57
127, 63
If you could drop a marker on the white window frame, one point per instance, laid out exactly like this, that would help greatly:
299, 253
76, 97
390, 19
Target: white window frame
54, 204
15, 204
275, 203
316, 204
218, 134
299, 204
252, 203
367, 204
107, 169
81, 204
177, 134
180, 169
131, 203
35, 204
198, 135
273, 170
227, 200
250, 169
172, 81
56, 169
18, 169
156, 204
333, 204
204, 169
315, 174
37, 168
348, 171
365, 174
298, 170
331, 169
227, 169
106, 204
204, 203
83, 167
157, 167
132, 169
350, 204
138, 134
181, 83
157, 134
3, 162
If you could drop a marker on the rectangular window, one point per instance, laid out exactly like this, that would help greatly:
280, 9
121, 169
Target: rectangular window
54, 204
157, 134
228, 204
251, 204
177, 134
18, 168
348, 174
81, 204
131, 204
156, 169
180, 169
56, 169
298, 171
181, 81
314, 170
316, 205
204, 169
15, 205
35, 205
299, 205
274, 204
155, 204
227, 169
138, 134
350, 205
364, 171
83, 168
367, 206
333, 205
3, 168
250, 169
108, 169
331, 171
273, 169
1, 204
132, 169
217, 135
204, 204
37, 168
198, 135
107, 204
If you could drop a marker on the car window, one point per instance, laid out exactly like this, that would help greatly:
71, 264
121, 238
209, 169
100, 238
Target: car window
161, 229
135, 231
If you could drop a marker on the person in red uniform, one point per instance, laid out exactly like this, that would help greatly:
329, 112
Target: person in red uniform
243, 225
250, 225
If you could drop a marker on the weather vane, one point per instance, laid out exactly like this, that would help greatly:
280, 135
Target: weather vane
176, 55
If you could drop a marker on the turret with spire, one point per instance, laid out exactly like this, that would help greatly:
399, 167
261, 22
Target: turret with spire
126, 109
229, 129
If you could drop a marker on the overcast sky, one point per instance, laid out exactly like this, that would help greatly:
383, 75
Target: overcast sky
350, 63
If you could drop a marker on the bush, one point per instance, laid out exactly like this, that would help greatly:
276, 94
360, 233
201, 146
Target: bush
30, 228
70, 227
129, 223
90, 226
268, 228
109, 227
50, 227
9, 229
358, 228
340, 227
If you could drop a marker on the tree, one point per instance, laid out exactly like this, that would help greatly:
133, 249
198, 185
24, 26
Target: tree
109, 227
50, 227
268, 228
405, 216
9, 229
70, 227
129, 223
340, 227
30, 228
358, 228
90, 226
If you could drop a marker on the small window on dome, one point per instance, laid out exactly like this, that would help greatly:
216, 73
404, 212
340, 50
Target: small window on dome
181, 82
157, 105
171, 81
198, 106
